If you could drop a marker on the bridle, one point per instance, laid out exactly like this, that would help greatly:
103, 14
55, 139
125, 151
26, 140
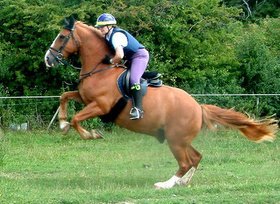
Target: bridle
57, 53
58, 56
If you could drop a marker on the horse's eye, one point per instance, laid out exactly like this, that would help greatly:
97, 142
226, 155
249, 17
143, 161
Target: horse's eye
61, 37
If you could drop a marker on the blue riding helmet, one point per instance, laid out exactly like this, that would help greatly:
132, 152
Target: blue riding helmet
105, 19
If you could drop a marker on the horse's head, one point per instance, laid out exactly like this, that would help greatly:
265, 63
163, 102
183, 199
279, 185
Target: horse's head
64, 44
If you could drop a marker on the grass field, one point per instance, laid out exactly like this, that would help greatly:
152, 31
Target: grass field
47, 167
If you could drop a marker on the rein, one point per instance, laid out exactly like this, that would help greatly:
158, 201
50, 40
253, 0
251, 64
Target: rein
59, 56
94, 71
62, 60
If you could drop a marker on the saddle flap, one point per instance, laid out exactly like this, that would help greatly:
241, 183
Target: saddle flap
148, 79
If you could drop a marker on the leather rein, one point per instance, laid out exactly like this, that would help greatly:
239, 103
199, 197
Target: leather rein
63, 61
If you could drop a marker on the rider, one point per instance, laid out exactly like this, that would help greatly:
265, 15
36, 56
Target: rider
128, 48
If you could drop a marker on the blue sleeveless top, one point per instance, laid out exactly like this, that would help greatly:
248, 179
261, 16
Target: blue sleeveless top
132, 46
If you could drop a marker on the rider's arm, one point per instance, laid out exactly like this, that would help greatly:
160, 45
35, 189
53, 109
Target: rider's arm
119, 41
119, 54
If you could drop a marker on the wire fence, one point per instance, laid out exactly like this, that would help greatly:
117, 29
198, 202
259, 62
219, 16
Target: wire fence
256, 97
22, 112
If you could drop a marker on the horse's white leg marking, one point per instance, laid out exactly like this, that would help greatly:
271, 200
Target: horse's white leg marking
174, 180
167, 184
64, 126
186, 178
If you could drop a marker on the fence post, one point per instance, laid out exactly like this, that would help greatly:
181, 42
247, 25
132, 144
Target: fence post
53, 118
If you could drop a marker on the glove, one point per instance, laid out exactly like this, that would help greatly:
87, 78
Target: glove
107, 60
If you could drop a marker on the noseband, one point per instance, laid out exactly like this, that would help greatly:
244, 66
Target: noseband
58, 56
57, 53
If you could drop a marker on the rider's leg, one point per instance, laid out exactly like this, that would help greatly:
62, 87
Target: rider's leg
137, 111
138, 66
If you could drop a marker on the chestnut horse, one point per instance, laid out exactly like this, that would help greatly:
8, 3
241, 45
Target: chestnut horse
169, 113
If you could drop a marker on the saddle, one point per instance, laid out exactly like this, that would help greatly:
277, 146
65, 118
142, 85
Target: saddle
148, 79
123, 83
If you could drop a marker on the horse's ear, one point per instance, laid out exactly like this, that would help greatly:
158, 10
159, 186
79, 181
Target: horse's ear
69, 22
75, 16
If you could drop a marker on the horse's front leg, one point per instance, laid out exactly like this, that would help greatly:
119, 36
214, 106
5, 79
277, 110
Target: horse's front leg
90, 111
62, 116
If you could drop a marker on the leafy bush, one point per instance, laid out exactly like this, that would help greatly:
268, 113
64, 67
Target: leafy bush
201, 47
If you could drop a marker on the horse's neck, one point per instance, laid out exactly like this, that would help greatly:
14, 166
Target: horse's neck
92, 50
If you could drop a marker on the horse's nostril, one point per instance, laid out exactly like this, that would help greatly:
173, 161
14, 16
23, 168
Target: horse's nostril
47, 61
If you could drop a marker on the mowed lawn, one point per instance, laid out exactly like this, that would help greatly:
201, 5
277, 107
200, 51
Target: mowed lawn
47, 167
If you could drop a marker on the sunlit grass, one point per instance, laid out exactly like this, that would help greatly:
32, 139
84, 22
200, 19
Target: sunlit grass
42, 167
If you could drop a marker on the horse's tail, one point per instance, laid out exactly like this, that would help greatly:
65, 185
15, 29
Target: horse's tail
257, 131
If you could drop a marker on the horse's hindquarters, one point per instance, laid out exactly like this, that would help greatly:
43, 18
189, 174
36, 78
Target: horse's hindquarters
166, 109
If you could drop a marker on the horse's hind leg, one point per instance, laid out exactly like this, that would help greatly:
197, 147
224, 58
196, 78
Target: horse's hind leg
62, 116
195, 157
184, 161
188, 159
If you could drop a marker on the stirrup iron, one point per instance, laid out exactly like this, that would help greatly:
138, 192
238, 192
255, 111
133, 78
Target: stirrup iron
136, 113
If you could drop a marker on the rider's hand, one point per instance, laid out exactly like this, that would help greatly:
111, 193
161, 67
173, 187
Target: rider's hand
107, 60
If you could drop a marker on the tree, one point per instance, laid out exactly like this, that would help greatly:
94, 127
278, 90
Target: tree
254, 9
259, 61
200, 46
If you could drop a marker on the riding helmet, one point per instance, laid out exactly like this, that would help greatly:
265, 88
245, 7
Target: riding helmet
105, 19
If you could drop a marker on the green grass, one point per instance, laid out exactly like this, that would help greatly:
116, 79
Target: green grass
41, 167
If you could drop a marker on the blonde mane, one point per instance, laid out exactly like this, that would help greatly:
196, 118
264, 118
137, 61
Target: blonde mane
93, 29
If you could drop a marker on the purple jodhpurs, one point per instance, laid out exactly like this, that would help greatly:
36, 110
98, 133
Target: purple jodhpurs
139, 62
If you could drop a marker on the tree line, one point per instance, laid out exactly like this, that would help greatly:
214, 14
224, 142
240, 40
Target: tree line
201, 46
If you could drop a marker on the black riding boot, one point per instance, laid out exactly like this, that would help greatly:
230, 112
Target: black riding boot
136, 112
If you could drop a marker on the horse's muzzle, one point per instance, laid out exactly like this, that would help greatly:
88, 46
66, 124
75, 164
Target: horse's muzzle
50, 60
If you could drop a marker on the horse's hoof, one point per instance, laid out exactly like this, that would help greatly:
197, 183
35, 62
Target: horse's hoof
158, 186
186, 179
96, 134
162, 185
167, 184
66, 130
64, 126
